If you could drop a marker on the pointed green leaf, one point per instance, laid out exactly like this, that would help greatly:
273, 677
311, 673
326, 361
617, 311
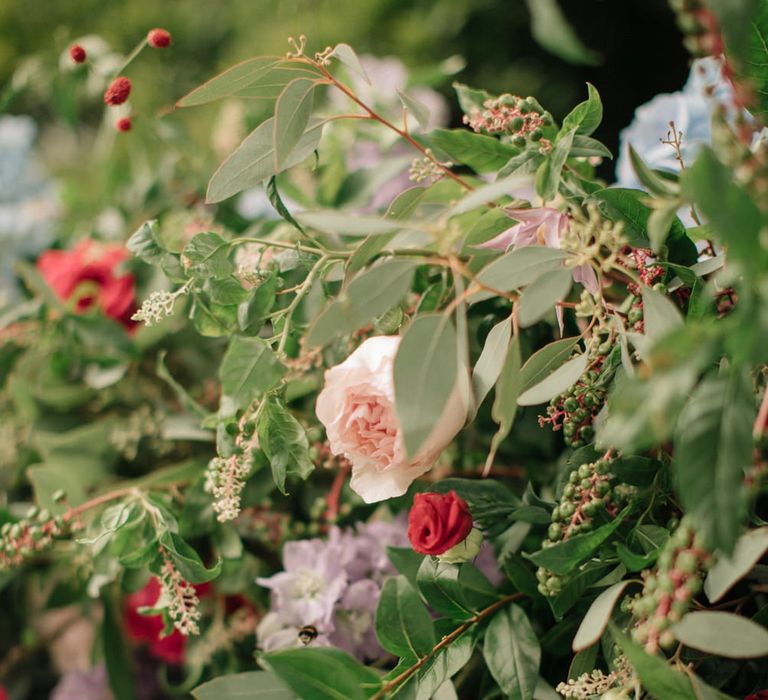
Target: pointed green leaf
292, 112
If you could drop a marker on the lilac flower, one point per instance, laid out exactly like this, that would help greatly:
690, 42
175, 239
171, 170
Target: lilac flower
83, 685
332, 585
313, 580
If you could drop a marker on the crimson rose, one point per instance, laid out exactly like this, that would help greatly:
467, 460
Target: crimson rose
437, 522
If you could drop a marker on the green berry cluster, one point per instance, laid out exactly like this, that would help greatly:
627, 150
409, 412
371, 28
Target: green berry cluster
575, 409
588, 491
34, 534
667, 591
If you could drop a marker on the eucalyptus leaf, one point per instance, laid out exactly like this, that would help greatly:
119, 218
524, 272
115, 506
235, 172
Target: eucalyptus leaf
722, 634
727, 571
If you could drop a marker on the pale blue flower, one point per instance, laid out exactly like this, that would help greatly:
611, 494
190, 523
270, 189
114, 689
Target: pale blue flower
28, 203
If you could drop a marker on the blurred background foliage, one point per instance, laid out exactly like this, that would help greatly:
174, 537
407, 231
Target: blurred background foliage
635, 52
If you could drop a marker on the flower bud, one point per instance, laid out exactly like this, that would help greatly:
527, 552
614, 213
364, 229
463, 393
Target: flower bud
77, 53
466, 550
158, 38
123, 124
118, 91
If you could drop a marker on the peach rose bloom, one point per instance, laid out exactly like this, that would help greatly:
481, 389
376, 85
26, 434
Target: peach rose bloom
357, 407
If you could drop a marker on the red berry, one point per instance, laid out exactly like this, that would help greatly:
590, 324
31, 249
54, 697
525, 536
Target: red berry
77, 53
159, 38
118, 91
124, 124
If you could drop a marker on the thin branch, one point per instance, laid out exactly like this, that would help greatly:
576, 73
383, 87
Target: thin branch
444, 642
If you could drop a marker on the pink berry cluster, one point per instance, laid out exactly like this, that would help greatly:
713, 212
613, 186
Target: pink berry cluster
700, 29
667, 592
521, 119
34, 534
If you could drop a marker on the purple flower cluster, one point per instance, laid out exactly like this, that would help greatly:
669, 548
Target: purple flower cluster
331, 587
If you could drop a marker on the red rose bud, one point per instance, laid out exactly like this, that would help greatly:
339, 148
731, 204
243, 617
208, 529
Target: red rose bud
759, 695
118, 91
123, 124
437, 522
159, 38
77, 53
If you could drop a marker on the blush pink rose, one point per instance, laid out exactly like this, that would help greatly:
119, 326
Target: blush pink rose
357, 407
541, 226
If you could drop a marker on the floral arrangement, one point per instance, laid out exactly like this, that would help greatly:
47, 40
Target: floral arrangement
467, 422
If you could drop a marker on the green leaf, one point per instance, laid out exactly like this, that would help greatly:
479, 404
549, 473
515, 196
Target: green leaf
369, 295
252, 313
658, 678
117, 655
347, 224
504, 408
426, 370
145, 242
456, 591
660, 315
713, 447
490, 224
556, 383
253, 160
542, 294
549, 172
511, 651
518, 268
406, 561
423, 684
469, 98
251, 685
226, 291
565, 556
403, 625
642, 412
292, 112
316, 673
551, 29
626, 206
586, 116
654, 182
491, 360
754, 66
248, 370
660, 222
284, 442
417, 108
727, 571
279, 206
263, 77
598, 616
484, 154
208, 254
728, 207
484, 194
722, 634
543, 362
586, 147
743, 49
346, 54
578, 582
187, 560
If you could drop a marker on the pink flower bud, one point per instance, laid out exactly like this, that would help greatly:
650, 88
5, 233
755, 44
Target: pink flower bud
159, 38
118, 91
77, 53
